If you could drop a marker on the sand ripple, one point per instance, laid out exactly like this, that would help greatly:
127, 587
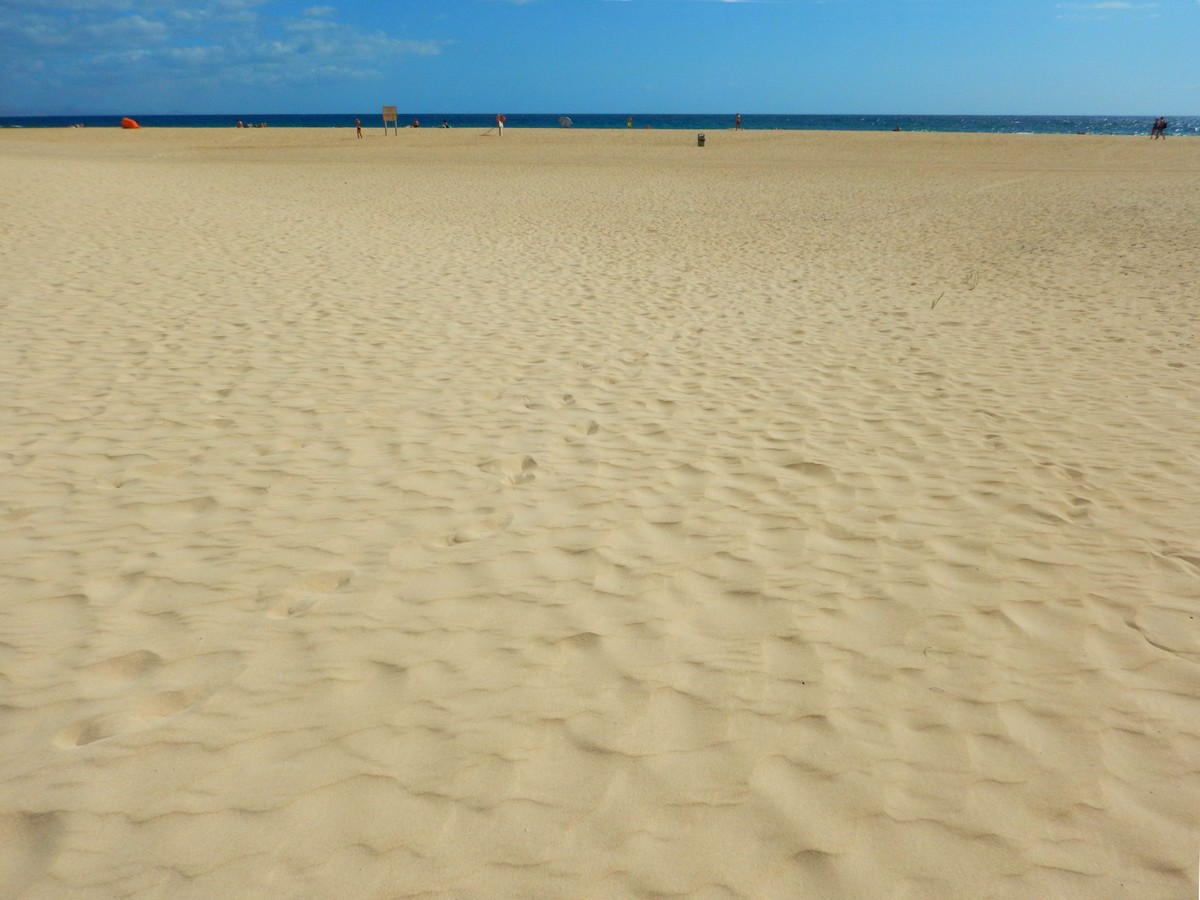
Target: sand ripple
588, 515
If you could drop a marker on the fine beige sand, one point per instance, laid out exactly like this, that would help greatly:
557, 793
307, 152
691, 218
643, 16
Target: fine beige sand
590, 514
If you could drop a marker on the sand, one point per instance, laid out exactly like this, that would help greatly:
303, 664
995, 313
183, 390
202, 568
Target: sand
589, 514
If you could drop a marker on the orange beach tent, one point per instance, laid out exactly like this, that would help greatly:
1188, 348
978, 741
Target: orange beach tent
129, 123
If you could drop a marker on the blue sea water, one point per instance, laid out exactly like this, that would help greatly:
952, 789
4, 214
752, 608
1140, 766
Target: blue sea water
1180, 125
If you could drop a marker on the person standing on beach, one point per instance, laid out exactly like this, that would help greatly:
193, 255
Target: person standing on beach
358, 126
500, 120
737, 122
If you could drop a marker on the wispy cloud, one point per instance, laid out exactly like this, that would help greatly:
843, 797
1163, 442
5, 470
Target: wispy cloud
718, 1
1105, 9
145, 48
1105, 5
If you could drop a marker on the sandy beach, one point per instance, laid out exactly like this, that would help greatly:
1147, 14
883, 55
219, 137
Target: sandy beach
591, 514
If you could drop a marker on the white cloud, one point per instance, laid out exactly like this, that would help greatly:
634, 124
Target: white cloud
1106, 5
134, 48
127, 28
1105, 10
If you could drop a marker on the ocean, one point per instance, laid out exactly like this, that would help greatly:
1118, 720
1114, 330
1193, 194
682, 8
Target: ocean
1179, 125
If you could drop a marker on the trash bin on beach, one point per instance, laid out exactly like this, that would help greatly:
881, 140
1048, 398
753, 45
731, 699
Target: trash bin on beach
700, 140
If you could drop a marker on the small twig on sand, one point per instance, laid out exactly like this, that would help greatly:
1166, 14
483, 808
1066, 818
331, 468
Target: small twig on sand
972, 280
935, 302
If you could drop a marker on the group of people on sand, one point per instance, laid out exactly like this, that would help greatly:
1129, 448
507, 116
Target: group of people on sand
241, 124
1159, 129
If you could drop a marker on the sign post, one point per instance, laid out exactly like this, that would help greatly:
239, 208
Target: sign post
389, 115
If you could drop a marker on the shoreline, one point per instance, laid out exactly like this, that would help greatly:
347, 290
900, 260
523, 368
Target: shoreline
1052, 124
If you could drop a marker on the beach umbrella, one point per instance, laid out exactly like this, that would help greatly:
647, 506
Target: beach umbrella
564, 121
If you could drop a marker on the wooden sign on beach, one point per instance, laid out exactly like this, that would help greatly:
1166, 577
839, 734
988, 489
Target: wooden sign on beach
389, 115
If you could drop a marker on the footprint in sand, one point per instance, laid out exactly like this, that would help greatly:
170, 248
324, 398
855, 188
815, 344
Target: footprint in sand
140, 689
533, 403
583, 430
814, 473
144, 713
299, 596
127, 667
485, 528
514, 470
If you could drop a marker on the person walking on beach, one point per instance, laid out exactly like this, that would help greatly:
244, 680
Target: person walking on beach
1160, 128
737, 122
358, 126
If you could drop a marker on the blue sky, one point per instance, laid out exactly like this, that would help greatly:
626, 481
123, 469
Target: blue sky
614, 56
